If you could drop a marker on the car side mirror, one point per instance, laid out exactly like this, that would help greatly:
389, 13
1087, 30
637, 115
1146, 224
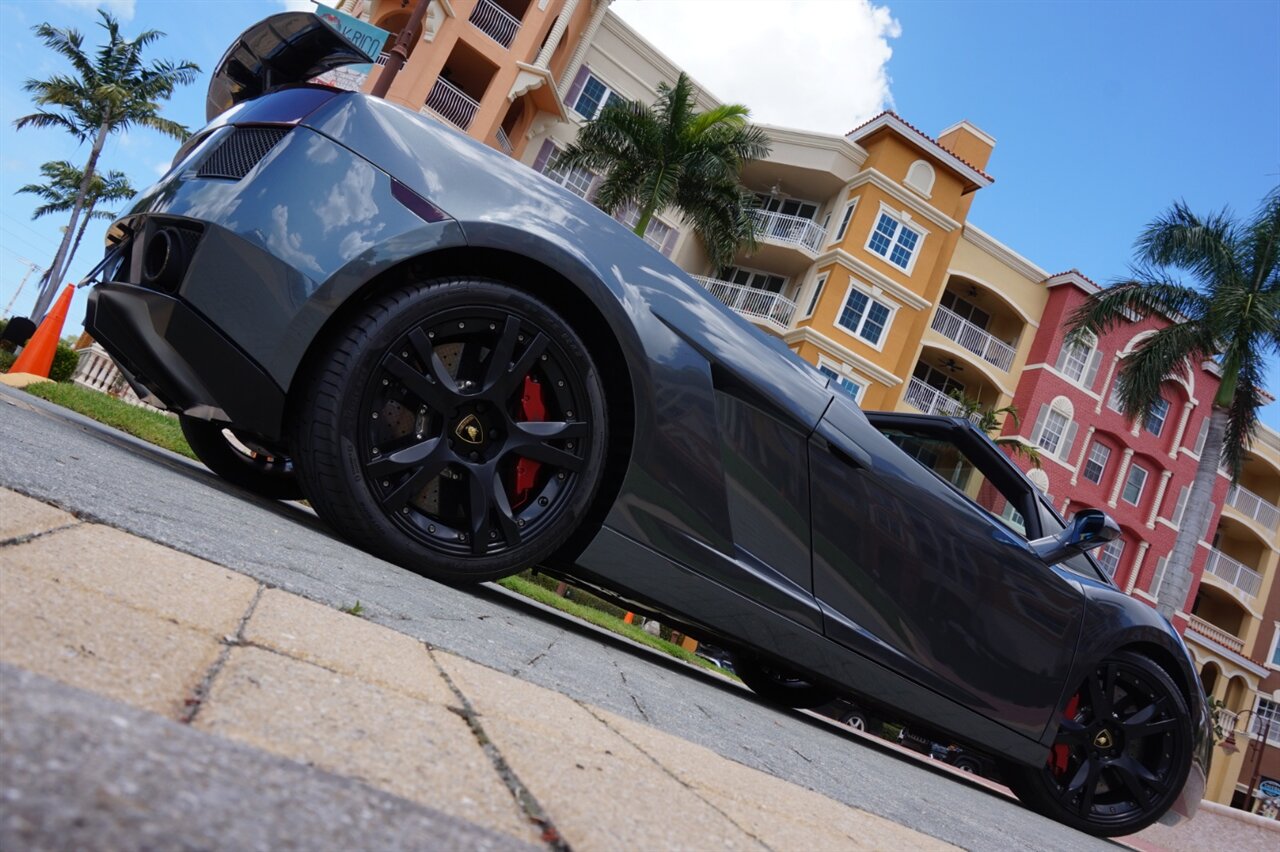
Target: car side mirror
1087, 529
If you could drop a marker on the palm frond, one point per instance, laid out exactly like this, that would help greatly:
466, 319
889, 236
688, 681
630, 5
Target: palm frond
1146, 294
1201, 245
1242, 416
1162, 357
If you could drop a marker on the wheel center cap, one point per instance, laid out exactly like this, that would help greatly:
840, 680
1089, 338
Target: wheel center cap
470, 431
1103, 739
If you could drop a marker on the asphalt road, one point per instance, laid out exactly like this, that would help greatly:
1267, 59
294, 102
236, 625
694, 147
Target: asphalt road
110, 478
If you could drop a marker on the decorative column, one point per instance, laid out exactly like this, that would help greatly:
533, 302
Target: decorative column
557, 33
1106, 386
1120, 475
1084, 449
584, 42
1137, 566
1155, 504
1187, 408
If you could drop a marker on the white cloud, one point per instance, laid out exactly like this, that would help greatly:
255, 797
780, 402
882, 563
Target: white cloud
809, 65
122, 9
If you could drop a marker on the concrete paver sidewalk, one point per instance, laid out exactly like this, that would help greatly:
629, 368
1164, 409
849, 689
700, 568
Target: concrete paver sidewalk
286, 678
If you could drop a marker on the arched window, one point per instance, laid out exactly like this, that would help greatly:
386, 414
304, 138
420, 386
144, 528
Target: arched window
1079, 361
920, 177
1055, 429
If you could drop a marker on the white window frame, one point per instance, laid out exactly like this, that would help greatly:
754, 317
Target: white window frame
1256, 726
1102, 465
1142, 486
900, 220
923, 187
875, 296
561, 176
843, 377
1164, 417
1272, 662
604, 100
846, 219
816, 294
1059, 436
1109, 556
655, 222
1113, 398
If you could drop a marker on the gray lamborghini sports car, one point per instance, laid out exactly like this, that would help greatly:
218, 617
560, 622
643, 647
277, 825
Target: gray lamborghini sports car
470, 371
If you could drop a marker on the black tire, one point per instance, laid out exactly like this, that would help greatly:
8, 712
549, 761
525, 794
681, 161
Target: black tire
779, 686
967, 764
411, 436
855, 719
1121, 755
248, 462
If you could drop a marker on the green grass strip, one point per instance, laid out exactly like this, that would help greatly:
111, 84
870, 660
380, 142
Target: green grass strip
151, 426
529, 589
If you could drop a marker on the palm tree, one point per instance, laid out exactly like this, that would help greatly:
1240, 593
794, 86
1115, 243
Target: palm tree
670, 155
109, 90
988, 420
62, 186
1227, 312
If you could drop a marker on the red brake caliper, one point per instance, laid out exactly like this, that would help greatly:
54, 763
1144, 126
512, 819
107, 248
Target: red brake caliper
531, 408
1060, 754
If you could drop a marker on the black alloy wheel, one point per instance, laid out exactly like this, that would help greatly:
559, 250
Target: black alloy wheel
242, 458
779, 686
1121, 754
458, 428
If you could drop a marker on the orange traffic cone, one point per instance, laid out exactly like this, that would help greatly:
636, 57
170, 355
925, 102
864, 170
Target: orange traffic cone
37, 356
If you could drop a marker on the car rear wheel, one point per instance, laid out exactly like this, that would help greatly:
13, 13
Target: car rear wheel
855, 719
779, 686
456, 427
242, 459
1121, 754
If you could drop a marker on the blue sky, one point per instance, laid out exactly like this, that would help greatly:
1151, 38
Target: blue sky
1104, 113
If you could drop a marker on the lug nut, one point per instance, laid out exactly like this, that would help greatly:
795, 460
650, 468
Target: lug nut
542, 501
431, 528
431, 335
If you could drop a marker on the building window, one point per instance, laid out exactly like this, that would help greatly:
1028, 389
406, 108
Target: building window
894, 241
817, 294
1078, 361
657, 233
1266, 718
1156, 416
1273, 659
1202, 435
920, 177
576, 179
1113, 401
844, 220
1096, 464
1013, 518
847, 385
786, 206
1109, 556
1052, 430
938, 380
1134, 483
594, 97
864, 317
1158, 578
754, 279
965, 309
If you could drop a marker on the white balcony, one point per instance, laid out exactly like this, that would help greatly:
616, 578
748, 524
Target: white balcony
504, 142
451, 103
97, 371
760, 306
930, 400
1227, 720
1233, 573
1254, 507
495, 22
978, 341
787, 230
1216, 634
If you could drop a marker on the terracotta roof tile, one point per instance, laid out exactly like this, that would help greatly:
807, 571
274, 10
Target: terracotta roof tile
924, 135
1074, 271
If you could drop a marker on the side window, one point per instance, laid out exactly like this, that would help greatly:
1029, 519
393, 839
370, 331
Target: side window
952, 465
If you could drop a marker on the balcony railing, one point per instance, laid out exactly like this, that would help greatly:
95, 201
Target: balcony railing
1227, 720
1217, 634
96, 371
1235, 573
789, 230
495, 22
978, 341
930, 400
451, 103
1253, 506
775, 310
504, 142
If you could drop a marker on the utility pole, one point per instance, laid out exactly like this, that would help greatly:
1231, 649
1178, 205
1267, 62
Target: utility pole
400, 51
31, 267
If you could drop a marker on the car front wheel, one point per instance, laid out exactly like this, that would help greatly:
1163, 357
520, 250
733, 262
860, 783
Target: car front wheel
456, 427
1122, 752
779, 686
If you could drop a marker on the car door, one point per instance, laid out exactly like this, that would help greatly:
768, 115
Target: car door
921, 562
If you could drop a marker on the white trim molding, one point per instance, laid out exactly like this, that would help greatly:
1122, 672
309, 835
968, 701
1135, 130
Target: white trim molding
806, 334
982, 240
857, 266
930, 146
884, 183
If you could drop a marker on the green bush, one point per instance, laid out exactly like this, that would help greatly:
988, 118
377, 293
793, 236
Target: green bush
6, 360
65, 361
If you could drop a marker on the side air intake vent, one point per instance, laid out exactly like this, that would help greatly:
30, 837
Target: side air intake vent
240, 152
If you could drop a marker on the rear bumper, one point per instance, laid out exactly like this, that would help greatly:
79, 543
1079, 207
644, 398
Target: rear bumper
169, 353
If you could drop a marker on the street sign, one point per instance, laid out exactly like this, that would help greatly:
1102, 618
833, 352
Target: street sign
365, 36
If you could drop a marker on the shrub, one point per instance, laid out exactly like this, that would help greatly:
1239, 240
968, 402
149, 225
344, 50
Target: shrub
65, 361
6, 360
